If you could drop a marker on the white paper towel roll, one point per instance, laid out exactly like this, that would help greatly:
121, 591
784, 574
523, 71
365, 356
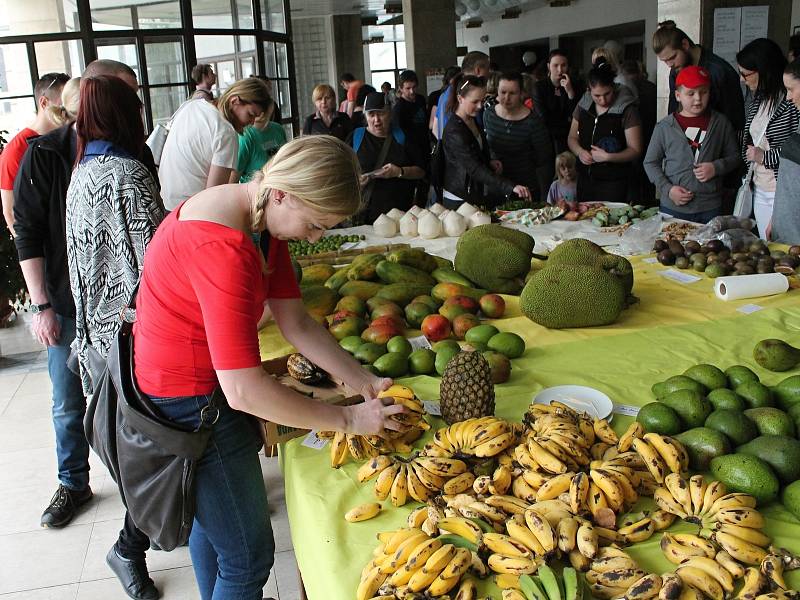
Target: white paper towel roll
750, 286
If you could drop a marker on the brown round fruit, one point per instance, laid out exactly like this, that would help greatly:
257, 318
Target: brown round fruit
660, 245
682, 262
666, 257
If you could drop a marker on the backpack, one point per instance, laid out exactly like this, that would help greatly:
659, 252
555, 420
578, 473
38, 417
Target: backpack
358, 137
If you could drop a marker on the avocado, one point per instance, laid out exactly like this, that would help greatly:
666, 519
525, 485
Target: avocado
351, 343
443, 357
399, 344
776, 355
421, 361
726, 399
771, 421
657, 417
734, 424
659, 389
787, 392
747, 474
481, 333
392, 364
442, 344
505, 342
791, 498
703, 444
779, 452
710, 376
369, 352
755, 394
691, 406
739, 374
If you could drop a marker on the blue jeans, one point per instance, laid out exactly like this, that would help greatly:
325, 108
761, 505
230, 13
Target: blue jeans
231, 543
69, 408
701, 217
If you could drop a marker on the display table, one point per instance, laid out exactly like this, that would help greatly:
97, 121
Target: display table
673, 327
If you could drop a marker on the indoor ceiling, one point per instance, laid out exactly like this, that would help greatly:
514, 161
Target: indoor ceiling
464, 9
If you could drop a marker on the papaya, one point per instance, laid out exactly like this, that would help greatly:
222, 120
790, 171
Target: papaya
317, 274
391, 272
364, 269
338, 279
319, 300
442, 291
413, 257
362, 289
450, 276
403, 293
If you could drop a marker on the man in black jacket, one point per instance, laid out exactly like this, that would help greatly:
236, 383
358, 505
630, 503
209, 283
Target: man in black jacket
555, 98
40, 191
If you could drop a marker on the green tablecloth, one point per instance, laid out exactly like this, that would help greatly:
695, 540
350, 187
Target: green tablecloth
673, 327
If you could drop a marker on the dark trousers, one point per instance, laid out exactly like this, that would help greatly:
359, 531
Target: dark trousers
132, 543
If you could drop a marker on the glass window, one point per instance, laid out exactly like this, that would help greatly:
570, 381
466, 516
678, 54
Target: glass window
283, 60
381, 56
123, 51
247, 65
165, 101
18, 17
208, 47
378, 77
244, 13
400, 48
289, 131
213, 14
270, 59
15, 73
15, 114
60, 57
165, 62
272, 16
284, 98
226, 74
159, 15
111, 19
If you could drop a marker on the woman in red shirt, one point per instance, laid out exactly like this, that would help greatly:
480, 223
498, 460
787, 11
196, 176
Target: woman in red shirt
202, 293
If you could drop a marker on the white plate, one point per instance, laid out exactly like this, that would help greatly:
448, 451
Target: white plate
579, 397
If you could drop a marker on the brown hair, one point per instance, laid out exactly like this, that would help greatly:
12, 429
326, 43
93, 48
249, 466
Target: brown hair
669, 36
249, 90
461, 86
323, 90
566, 159
200, 71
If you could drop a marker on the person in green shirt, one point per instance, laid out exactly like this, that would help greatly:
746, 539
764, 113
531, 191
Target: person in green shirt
257, 144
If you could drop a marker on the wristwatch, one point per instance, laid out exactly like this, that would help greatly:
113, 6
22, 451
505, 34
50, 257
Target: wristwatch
37, 308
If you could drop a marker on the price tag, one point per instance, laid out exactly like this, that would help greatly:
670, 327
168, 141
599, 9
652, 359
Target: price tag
432, 408
650, 261
349, 245
679, 277
312, 440
749, 308
419, 342
626, 409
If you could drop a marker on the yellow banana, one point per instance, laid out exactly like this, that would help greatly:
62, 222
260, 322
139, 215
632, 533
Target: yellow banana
604, 432
383, 485
467, 590
369, 584
416, 489
666, 502
699, 579
494, 445
542, 529
612, 490
522, 490
362, 512
579, 562
422, 578
662, 519
417, 517
671, 450
435, 483
652, 459
398, 493
501, 480
445, 467
645, 588
338, 449
510, 505
554, 487
463, 527
459, 483
397, 391
504, 544
606, 592
587, 540
523, 457
613, 563
695, 541
577, 452
373, 467
512, 594
488, 431
519, 531
679, 488
714, 491
613, 551
513, 565
729, 501
567, 531
487, 512
507, 581
713, 569
625, 480
451, 574
623, 578
638, 532
746, 517
608, 536
689, 592
404, 550
598, 506
731, 566
772, 568
596, 451
578, 492
535, 479
553, 510
697, 491
481, 485
630, 459
548, 462
675, 552
671, 586
753, 584
739, 549
440, 559
421, 553
748, 534
634, 430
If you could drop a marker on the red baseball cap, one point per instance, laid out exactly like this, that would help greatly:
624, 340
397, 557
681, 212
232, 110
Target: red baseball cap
692, 77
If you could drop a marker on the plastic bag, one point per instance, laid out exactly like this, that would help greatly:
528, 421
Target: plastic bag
736, 239
640, 237
717, 225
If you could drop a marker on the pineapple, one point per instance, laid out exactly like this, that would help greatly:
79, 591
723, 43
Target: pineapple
466, 390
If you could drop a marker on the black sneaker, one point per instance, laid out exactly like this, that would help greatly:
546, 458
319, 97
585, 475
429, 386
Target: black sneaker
64, 506
133, 576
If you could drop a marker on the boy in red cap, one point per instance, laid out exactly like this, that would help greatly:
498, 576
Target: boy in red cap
691, 150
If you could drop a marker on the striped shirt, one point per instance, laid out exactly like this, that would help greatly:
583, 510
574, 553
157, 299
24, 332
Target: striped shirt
783, 123
525, 149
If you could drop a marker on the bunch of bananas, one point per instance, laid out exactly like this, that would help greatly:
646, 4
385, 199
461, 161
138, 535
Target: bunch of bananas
661, 454
419, 478
545, 585
611, 573
408, 561
482, 437
364, 447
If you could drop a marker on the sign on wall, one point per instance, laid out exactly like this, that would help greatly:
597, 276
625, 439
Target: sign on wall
736, 27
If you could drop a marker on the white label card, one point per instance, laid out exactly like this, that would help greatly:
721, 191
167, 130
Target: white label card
679, 277
349, 245
419, 342
650, 261
626, 409
749, 308
312, 440
432, 408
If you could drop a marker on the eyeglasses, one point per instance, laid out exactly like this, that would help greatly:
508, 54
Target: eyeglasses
746, 75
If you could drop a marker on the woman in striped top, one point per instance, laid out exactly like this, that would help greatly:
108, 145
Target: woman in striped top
519, 139
771, 119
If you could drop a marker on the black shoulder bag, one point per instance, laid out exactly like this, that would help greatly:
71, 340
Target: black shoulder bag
152, 460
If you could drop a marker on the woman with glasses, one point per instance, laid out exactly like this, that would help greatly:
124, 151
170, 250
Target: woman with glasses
771, 119
468, 169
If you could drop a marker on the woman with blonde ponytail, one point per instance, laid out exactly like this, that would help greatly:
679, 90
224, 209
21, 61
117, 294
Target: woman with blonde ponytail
202, 292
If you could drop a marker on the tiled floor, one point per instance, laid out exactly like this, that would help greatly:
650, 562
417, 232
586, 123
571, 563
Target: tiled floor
69, 564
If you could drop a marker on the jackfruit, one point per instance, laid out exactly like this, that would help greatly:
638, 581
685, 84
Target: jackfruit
579, 251
564, 296
495, 257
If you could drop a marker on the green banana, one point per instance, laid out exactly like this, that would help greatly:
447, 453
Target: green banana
458, 541
531, 588
485, 527
549, 582
572, 588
